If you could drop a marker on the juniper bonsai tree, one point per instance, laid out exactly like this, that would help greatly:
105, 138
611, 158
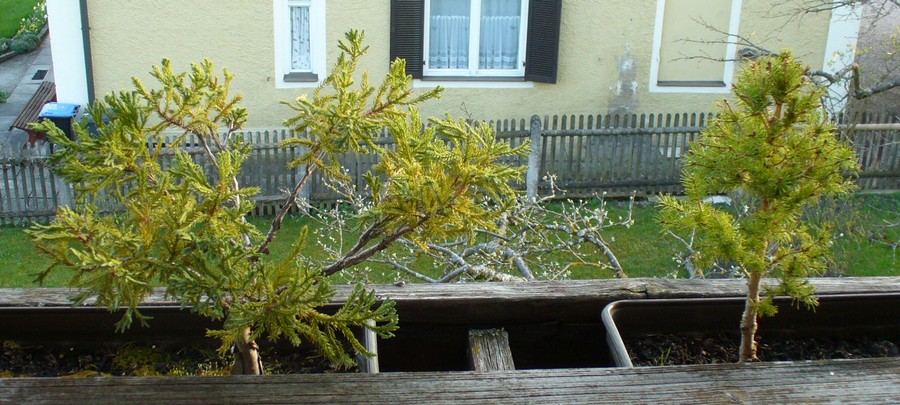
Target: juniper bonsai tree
145, 217
776, 145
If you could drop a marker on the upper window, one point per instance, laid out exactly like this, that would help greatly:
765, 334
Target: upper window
477, 39
299, 42
301, 56
689, 55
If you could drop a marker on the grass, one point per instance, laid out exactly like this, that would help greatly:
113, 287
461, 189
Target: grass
867, 248
871, 228
20, 261
13, 13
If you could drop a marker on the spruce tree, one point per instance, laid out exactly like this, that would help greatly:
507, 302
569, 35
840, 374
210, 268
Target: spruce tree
776, 145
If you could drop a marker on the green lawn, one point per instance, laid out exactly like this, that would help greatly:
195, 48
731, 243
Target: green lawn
871, 228
866, 249
13, 13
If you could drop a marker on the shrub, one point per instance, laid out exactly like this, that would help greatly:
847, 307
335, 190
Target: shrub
182, 226
25, 42
3, 96
4, 44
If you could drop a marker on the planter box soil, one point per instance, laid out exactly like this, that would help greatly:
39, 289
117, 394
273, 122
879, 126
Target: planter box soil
689, 331
81, 341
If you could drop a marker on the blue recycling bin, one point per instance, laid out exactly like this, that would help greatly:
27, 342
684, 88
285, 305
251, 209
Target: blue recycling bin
61, 114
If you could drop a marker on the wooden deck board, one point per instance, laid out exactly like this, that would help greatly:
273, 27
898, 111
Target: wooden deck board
491, 303
866, 381
847, 381
574, 290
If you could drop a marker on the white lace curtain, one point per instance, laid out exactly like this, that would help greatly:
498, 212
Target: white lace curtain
300, 41
498, 48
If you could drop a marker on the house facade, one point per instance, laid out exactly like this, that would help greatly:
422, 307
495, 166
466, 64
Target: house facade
497, 59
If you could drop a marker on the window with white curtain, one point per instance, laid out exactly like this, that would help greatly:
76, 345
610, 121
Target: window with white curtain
299, 42
475, 37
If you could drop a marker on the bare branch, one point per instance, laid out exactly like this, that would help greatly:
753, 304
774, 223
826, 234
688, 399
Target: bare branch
749, 48
397, 265
687, 259
484, 273
860, 93
355, 258
288, 203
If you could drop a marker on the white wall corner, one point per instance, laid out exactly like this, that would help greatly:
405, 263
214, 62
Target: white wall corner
840, 48
67, 51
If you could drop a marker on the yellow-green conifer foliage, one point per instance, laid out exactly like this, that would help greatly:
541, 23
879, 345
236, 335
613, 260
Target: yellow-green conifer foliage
776, 145
146, 217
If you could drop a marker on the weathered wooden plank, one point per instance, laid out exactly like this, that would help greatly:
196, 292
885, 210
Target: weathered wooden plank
554, 159
63, 190
866, 381
45, 92
569, 153
489, 350
271, 167
16, 195
619, 130
18, 217
5, 194
49, 200
871, 127
571, 290
627, 187
579, 160
30, 187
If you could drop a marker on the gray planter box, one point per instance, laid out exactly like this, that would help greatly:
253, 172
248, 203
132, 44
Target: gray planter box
836, 316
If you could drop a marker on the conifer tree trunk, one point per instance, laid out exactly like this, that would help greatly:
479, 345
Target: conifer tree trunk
246, 357
748, 320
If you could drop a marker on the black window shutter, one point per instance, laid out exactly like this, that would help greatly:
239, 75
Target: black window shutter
542, 53
407, 34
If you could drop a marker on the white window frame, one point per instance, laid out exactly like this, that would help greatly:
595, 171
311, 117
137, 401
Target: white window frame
282, 15
730, 49
474, 43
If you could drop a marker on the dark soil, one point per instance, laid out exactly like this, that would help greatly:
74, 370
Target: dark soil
661, 350
19, 360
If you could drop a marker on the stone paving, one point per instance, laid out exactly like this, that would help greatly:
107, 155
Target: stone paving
17, 77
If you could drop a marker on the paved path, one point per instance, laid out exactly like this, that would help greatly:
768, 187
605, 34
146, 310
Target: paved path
16, 77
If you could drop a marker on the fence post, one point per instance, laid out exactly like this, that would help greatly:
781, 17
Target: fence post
305, 192
534, 160
63, 193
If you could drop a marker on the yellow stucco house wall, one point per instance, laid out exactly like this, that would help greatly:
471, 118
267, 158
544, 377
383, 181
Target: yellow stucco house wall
605, 57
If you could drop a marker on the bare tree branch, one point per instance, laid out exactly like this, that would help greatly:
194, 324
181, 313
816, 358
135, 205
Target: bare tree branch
748, 48
570, 235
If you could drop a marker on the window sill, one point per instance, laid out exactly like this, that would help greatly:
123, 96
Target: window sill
301, 78
691, 83
696, 87
472, 79
465, 82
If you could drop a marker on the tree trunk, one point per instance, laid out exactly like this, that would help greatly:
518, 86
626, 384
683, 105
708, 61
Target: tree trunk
246, 356
748, 320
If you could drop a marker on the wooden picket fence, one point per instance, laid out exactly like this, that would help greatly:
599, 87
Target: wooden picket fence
617, 154
876, 140
28, 190
582, 154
